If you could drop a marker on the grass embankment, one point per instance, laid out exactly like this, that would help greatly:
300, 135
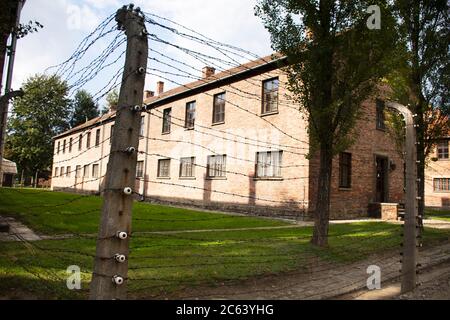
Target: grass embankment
437, 214
165, 262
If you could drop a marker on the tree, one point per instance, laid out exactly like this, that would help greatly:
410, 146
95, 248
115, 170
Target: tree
424, 81
112, 99
335, 62
84, 108
37, 117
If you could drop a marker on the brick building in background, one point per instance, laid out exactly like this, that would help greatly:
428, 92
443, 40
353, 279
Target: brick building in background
437, 176
235, 141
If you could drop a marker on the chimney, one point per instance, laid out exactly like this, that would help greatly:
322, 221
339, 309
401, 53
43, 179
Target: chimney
148, 94
112, 107
159, 87
208, 72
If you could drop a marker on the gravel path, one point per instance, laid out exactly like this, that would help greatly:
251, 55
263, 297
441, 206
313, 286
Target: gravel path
16, 227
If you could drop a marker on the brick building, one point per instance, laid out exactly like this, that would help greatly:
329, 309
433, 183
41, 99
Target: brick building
437, 176
235, 141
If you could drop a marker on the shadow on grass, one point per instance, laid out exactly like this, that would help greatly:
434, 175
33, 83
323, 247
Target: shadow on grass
28, 287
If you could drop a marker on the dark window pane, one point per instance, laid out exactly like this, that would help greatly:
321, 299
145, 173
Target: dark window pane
111, 134
270, 96
141, 127
380, 115
167, 113
190, 115
219, 108
97, 137
80, 142
345, 170
88, 140
442, 150
140, 169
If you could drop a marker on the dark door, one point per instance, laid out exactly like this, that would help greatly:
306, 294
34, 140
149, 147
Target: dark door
7, 180
381, 179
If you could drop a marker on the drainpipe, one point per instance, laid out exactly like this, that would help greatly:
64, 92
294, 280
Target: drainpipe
144, 189
100, 165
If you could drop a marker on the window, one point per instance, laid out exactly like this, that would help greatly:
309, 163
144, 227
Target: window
70, 144
380, 115
268, 164
441, 184
442, 150
187, 167
80, 142
86, 171
216, 166
59, 147
167, 115
68, 172
345, 170
88, 140
95, 170
270, 96
190, 115
219, 108
111, 134
164, 168
97, 137
61, 172
56, 171
64, 146
140, 169
78, 172
141, 127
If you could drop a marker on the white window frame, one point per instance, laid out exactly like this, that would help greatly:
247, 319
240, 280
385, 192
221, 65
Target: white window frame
187, 167
216, 166
268, 164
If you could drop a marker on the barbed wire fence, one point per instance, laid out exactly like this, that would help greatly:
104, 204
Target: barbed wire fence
203, 257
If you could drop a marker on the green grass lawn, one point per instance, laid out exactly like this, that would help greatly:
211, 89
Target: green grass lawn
61, 213
437, 214
162, 263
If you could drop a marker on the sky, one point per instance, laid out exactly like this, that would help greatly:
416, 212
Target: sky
67, 22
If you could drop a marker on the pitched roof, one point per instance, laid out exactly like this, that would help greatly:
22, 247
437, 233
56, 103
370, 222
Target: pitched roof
241, 69
186, 88
9, 166
89, 123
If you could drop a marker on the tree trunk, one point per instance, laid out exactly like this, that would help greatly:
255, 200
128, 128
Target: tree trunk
322, 212
36, 179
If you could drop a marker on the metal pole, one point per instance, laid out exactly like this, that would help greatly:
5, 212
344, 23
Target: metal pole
410, 229
4, 101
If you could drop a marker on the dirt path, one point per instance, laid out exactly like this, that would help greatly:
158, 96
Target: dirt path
322, 281
434, 284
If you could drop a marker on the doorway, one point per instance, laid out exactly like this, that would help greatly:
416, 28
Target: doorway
381, 193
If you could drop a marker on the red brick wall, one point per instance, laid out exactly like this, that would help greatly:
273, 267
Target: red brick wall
370, 141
